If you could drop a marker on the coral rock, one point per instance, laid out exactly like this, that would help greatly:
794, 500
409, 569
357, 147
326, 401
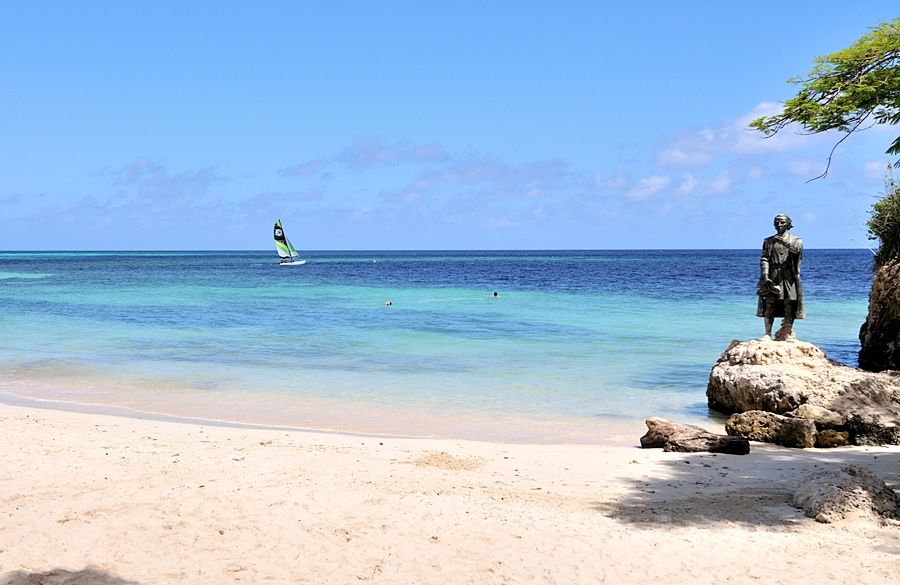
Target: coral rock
852, 491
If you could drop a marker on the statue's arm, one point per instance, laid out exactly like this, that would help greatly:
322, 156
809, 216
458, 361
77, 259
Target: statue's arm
764, 264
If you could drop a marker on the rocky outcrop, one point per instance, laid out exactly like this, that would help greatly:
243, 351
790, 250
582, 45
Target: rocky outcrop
673, 436
768, 427
847, 492
879, 336
796, 380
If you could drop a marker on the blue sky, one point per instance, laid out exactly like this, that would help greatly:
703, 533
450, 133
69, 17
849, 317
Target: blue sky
421, 125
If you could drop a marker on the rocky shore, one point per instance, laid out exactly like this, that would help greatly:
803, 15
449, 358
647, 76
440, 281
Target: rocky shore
790, 393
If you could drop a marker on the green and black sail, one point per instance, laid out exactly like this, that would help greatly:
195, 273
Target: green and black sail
282, 244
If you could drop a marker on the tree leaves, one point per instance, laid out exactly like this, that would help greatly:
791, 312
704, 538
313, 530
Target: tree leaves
847, 89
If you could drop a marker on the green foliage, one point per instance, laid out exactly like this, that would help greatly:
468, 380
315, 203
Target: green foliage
846, 89
884, 221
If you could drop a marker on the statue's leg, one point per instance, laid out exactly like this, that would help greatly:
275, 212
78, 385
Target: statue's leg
786, 331
788, 323
769, 318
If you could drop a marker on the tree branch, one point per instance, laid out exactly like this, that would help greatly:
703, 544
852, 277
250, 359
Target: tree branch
833, 148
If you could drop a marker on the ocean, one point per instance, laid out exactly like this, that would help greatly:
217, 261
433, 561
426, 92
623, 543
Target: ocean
575, 345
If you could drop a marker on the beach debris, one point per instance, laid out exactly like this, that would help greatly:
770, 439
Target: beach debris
847, 492
797, 380
674, 436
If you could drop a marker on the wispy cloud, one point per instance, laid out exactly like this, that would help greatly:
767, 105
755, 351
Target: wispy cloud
647, 186
485, 179
615, 181
154, 186
304, 169
369, 151
702, 147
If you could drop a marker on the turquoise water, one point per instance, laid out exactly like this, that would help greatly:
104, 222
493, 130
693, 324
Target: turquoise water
573, 342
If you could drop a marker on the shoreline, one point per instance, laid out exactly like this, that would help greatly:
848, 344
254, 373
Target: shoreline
510, 430
320, 414
126, 500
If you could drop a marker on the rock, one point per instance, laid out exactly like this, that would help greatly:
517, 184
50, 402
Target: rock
673, 436
879, 336
849, 491
831, 438
865, 432
796, 432
824, 418
756, 425
768, 427
797, 379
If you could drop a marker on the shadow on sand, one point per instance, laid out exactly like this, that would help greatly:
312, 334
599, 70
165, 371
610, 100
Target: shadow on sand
702, 489
63, 577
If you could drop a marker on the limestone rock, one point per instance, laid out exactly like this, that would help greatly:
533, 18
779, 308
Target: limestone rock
831, 438
796, 378
673, 436
756, 425
847, 492
768, 427
797, 432
879, 336
824, 418
867, 432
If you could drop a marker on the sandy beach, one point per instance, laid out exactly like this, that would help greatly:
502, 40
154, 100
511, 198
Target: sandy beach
100, 499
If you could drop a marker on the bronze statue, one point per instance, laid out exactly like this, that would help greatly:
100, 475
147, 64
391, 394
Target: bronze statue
780, 289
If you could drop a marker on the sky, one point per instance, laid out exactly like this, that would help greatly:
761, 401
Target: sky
422, 125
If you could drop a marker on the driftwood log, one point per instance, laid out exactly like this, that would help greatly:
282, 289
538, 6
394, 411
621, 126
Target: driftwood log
673, 436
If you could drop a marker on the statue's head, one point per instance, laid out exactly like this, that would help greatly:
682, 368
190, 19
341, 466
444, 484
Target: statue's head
783, 218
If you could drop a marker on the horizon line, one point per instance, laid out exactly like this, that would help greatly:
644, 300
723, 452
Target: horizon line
315, 251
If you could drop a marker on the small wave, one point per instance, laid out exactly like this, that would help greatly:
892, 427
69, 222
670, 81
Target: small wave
22, 275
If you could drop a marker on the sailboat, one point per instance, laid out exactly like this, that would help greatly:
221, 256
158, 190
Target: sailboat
285, 248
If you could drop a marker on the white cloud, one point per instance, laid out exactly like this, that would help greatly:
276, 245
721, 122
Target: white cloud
691, 185
719, 184
687, 185
685, 155
648, 186
697, 148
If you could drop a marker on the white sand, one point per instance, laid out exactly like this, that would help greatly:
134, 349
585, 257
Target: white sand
89, 498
